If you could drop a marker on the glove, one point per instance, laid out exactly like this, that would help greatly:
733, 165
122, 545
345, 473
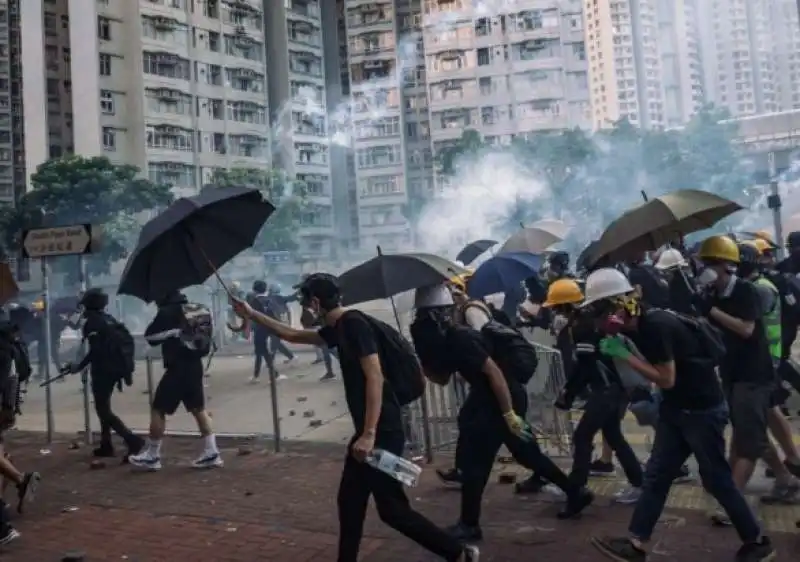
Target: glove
518, 426
614, 347
69, 368
701, 304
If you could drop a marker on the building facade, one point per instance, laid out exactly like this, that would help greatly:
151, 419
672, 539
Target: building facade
12, 132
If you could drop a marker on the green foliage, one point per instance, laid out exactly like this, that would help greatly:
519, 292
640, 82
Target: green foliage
604, 173
74, 190
290, 198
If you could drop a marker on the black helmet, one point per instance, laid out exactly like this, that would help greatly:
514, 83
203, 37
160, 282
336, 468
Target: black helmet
259, 287
94, 299
748, 253
323, 286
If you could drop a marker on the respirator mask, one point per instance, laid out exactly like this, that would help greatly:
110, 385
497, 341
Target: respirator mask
707, 277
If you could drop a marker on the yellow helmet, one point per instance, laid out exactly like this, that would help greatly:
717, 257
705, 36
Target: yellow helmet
761, 245
460, 281
563, 291
719, 247
765, 236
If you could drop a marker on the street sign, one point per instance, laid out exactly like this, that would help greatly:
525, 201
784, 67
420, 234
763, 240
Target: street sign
57, 241
277, 257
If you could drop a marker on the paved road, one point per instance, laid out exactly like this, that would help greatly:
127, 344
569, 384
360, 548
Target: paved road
265, 506
237, 406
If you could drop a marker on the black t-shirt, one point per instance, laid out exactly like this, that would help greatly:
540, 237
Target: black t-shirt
746, 359
355, 339
661, 337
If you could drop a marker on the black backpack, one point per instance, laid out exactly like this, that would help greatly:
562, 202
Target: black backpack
709, 337
118, 352
399, 362
514, 354
197, 332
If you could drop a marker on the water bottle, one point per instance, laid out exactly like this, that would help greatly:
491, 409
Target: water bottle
398, 468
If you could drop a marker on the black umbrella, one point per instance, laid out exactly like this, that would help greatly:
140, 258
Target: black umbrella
472, 250
386, 275
195, 236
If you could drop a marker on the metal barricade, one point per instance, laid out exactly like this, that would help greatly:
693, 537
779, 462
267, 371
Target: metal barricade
431, 422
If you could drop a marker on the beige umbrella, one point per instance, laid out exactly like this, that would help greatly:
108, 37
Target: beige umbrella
532, 239
555, 226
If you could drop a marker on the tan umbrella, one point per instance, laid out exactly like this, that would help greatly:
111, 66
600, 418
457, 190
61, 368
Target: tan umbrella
554, 226
659, 221
531, 239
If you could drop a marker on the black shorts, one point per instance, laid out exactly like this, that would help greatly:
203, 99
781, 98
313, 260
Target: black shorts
749, 406
178, 387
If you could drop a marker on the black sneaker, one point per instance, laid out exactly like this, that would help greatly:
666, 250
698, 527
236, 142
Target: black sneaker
450, 478
104, 452
465, 533
26, 491
620, 549
761, 551
533, 485
576, 503
327, 377
600, 468
794, 469
8, 534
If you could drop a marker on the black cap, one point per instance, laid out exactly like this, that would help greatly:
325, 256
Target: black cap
94, 299
793, 239
323, 286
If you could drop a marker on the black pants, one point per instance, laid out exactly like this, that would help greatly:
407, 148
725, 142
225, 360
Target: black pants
603, 413
262, 353
102, 389
359, 482
5, 518
482, 431
276, 346
788, 373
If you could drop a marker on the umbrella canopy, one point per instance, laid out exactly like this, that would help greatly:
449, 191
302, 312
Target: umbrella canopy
474, 249
503, 272
530, 239
386, 275
553, 226
660, 221
190, 240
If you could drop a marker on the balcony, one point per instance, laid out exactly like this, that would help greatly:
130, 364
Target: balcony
164, 24
304, 33
308, 9
372, 17
306, 64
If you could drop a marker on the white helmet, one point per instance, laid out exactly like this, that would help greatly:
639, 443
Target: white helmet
670, 259
605, 283
433, 296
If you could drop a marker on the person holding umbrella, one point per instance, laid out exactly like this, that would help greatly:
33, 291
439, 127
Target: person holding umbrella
376, 413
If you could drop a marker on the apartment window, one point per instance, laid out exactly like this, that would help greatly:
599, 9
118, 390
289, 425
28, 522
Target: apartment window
107, 102
166, 65
53, 89
484, 58
170, 138
50, 24
105, 64
104, 28
377, 156
109, 139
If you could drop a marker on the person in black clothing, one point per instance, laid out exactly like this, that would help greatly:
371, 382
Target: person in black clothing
691, 421
492, 414
377, 420
675, 269
279, 309
651, 284
259, 300
181, 383
784, 276
105, 375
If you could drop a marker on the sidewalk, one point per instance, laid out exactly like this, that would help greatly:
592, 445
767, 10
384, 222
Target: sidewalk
281, 508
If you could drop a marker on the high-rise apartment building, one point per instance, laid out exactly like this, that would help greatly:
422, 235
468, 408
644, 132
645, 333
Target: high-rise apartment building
516, 70
180, 88
644, 61
739, 55
12, 139
297, 94
379, 56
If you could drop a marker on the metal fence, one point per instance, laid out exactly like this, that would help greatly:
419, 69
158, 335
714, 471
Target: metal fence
431, 421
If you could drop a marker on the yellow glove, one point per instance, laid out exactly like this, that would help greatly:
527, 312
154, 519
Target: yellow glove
518, 426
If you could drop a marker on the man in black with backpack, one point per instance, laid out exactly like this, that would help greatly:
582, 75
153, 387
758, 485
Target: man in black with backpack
493, 413
110, 356
260, 301
380, 376
185, 333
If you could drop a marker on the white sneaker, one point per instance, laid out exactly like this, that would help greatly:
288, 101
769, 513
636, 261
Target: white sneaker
281, 378
145, 460
254, 380
627, 496
209, 459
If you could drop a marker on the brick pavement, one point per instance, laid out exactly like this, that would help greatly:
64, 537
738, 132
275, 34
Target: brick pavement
280, 507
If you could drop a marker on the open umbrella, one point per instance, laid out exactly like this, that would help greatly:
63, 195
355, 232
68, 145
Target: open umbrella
530, 239
386, 275
503, 272
660, 221
474, 249
553, 226
190, 240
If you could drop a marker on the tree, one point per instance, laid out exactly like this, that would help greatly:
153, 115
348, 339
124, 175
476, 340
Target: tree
74, 190
289, 196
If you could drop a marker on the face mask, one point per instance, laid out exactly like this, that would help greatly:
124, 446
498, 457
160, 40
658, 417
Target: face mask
613, 325
707, 277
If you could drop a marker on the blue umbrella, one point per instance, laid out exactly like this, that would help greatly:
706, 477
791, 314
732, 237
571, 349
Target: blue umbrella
503, 272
